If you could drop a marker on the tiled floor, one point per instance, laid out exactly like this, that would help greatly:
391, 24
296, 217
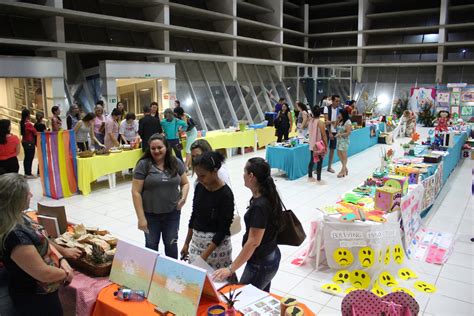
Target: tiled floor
453, 212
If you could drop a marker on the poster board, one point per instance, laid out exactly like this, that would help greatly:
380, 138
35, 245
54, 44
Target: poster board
410, 213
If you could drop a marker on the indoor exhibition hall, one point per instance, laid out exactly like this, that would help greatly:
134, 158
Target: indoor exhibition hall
236, 157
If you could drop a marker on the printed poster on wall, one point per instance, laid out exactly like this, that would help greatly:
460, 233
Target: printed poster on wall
421, 97
467, 96
455, 97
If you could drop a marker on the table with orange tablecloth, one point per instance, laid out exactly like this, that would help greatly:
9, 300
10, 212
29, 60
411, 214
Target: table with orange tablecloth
108, 305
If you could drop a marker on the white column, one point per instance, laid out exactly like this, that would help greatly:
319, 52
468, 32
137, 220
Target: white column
160, 13
362, 24
275, 18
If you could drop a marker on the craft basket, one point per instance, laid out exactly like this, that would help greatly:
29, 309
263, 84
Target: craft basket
86, 154
93, 270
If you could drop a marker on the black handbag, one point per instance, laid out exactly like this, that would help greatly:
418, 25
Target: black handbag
291, 232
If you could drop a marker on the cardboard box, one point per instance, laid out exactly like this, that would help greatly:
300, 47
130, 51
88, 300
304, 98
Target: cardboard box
413, 174
432, 158
388, 199
396, 181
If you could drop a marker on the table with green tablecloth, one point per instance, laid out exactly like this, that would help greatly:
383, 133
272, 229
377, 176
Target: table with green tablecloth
294, 161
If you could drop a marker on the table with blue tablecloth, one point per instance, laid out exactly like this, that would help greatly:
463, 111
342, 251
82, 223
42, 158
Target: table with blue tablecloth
294, 160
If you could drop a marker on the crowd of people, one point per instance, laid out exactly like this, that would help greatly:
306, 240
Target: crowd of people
323, 137
160, 189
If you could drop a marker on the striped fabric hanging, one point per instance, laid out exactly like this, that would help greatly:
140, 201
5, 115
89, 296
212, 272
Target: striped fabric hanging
57, 163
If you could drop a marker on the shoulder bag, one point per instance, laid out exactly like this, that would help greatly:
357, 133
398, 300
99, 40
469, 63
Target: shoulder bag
236, 225
291, 232
320, 148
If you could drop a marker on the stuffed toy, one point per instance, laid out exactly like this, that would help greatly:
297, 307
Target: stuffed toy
443, 121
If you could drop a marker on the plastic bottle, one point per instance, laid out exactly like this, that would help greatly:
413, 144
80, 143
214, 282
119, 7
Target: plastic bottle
125, 294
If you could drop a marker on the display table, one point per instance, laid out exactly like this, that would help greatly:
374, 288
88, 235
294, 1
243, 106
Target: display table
225, 140
91, 169
108, 305
294, 161
266, 136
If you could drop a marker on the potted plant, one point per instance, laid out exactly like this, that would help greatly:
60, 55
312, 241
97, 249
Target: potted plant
406, 148
414, 138
230, 301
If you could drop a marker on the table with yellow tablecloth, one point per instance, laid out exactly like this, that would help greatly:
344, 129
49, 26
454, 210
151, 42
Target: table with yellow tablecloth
227, 139
92, 168
266, 136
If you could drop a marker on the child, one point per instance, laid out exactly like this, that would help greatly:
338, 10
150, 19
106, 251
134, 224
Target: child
408, 123
40, 127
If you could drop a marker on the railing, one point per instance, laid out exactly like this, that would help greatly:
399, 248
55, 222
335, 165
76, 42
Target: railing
17, 118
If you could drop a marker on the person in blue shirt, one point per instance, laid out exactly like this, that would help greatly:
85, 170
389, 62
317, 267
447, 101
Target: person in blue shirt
172, 128
279, 105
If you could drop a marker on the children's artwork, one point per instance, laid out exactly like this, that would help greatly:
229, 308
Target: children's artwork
410, 212
455, 111
396, 181
467, 96
455, 98
421, 97
467, 111
177, 287
442, 101
431, 246
267, 306
133, 266
429, 192
249, 296
388, 199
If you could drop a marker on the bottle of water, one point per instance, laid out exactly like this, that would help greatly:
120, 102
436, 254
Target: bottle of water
125, 294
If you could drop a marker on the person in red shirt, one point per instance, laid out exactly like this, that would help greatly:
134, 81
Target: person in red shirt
9, 149
28, 133
56, 123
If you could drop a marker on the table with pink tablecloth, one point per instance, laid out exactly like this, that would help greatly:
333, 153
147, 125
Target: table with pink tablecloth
80, 296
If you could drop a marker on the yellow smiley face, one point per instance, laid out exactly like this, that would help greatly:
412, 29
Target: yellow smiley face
387, 279
343, 256
380, 256
366, 257
398, 254
377, 290
331, 288
360, 279
402, 289
341, 277
425, 287
387, 256
406, 274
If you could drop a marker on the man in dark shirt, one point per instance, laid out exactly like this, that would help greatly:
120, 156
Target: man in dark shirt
279, 105
147, 126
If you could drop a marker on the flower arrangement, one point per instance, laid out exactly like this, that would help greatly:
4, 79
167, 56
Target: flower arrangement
414, 138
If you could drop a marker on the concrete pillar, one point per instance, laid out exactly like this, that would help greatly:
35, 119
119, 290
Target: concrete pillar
362, 24
442, 35
275, 18
54, 26
306, 31
160, 13
55, 92
229, 26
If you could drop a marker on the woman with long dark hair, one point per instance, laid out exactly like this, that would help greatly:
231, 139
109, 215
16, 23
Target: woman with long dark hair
9, 149
302, 119
159, 191
85, 129
213, 210
283, 123
28, 135
260, 252
344, 129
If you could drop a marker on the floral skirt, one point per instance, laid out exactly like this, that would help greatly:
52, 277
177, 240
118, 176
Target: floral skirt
221, 257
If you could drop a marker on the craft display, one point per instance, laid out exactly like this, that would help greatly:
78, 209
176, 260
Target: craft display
388, 199
396, 181
98, 247
412, 173
57, 163
133, 266
362, 302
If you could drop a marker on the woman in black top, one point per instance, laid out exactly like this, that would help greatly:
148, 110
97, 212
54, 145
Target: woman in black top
262, 221
213, 211
283, 123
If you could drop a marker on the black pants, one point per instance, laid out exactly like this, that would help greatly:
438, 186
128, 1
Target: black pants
9, 165
35, 304
319, 166
173, 143
83, 146
282, 134
29, 149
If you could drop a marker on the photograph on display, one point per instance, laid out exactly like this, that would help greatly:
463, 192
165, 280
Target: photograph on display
176, 286
442, 101
133, 266
455, 98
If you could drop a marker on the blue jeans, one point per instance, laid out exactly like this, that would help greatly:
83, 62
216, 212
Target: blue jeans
173, 143
261, 273
165, 225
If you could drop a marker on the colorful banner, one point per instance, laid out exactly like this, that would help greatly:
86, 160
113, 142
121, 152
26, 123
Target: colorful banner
57, 163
